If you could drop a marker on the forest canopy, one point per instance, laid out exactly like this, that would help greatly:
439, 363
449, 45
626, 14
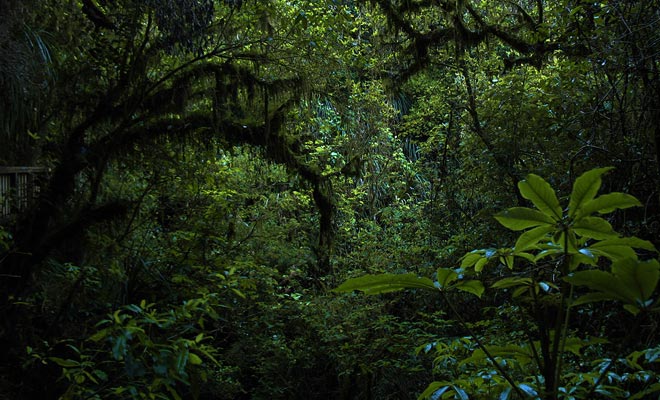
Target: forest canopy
196, 196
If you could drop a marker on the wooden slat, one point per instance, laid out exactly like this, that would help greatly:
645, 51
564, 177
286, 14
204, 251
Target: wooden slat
5, 188
23, 197
21, 170
18, 189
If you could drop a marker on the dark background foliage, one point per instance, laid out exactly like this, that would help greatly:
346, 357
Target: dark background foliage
208, 170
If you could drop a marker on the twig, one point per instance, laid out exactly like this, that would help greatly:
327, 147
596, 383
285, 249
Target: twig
488, 354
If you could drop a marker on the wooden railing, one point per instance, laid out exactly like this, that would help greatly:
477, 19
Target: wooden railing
19, 188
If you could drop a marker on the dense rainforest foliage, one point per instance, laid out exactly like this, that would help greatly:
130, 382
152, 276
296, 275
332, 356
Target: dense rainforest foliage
216, 188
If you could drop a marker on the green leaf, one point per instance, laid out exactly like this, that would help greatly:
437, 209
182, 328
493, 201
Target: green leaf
575, 344
102, 334
529, 390
117, 317
591, 298
194, 359
631, 281
208, 355
613, 252
462, 394
505, 393
527, 256
119, 347
478, 258
384, 283
445, 277
181, 361
64, 363
435, 388
585, 189
512, 282
582, 257
601, 281
547, 253
522, 354
634, 310
471, 259
479, 266
607, 203
619, 248
530, 238
508, 260
101, 374
472, 286
641, 277
595, 228
519, 218
541, 194
173, 392
625, 241
544, 286
519, 291
633, 359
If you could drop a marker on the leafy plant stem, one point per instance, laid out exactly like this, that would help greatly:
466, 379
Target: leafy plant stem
544, 333
488, 354
560, 326
552, 371
530, 340
562, 339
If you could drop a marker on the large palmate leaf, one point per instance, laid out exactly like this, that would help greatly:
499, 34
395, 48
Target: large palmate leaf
640, 278
632, 241
445, 277
530, 238
618, 248
631, 281
448, 278
478, 258
605, 283
519, 218
540, 193
613, 252
523, 354
607, 203
512, 282
471, 286
585, 189
594, 228
384, 283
